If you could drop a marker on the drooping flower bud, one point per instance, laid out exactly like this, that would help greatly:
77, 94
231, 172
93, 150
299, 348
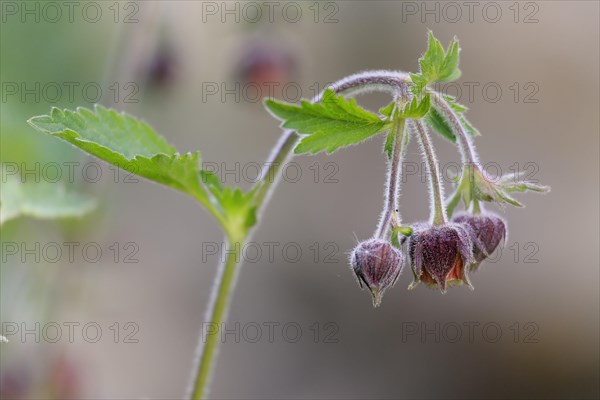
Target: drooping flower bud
377, 264
486, 230
439, 254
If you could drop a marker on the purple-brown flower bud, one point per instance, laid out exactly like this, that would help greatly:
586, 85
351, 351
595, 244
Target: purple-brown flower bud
439, 254
377, 264
486, 230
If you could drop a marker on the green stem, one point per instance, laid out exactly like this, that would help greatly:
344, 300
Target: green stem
476, 207
438, 212
393, 179
219, 304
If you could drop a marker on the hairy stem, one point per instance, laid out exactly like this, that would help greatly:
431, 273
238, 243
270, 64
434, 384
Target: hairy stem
396, 83
438, 212
465, 144
393, 178
216, 314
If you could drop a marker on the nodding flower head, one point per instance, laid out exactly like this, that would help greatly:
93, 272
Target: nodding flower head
439, 254
377, 264
486, 231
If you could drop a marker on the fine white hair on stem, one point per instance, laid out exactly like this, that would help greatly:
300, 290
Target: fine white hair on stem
392, 185
436, 190
208, 317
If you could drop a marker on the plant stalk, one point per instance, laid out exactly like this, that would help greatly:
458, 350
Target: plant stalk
393, 179
216, 314
466, 147
437, 209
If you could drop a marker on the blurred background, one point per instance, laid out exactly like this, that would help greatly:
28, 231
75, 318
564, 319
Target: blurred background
128, 301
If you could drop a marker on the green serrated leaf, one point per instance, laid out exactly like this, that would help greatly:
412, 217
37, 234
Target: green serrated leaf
416, 109
454, 104
40, 200
131, 144
332, 124
470, 129
238, 207
449, 70
419, 83
460, 109
439, 124
505, 197
436, 64
433, 59
126, 142
387, 110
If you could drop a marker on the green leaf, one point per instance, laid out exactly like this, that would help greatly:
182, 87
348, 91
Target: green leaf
332, 124
439, 124
126, 142
131, 144
457, 107
524, 186
387, 110
470, 129
513, 182
505, 197
437, 65
388, 147
40, 200
442, 126
389, 140
416, 109
238, 207
419, 83
460, 109
449, 70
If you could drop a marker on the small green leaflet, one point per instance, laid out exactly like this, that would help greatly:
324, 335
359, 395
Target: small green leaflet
400, 230
439, 124
460, 109
387, 110
133, 145
437, 65
388, 147
329, 125
419, 83
415, 109
238, 207
40, 200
